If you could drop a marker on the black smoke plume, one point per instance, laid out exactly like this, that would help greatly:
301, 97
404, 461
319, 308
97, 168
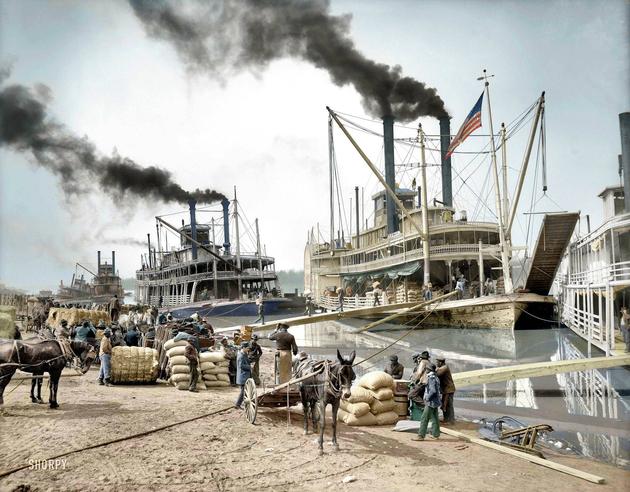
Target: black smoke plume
25, 126
231, 35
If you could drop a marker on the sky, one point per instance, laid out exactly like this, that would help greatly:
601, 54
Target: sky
265, 131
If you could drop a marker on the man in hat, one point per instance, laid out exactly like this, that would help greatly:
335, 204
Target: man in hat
309, 306
447, 387
395, 369
420, 376
117, 337
114, 308
377, 292
190, 352
340, 297
261, 311
243, 372
432, 401
255, 353
105, 354
229, 352
285, 345
132, 337
84, 332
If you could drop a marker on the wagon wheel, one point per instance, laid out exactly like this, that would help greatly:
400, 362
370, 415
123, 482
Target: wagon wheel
250, 402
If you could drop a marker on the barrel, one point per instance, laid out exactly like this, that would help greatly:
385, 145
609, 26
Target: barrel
401, 405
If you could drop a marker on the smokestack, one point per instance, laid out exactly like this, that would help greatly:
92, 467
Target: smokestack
447, 181
193, 227
226, 225
114, 262
98, 259
624, 127
356, 199
149, 246
390, 172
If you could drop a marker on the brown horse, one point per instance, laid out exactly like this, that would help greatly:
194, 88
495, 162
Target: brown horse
38, 357
331, 381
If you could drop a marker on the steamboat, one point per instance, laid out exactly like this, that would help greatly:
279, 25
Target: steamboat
105, 283
200, 274
411, 246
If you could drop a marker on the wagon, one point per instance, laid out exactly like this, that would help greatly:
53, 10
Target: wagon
281, 395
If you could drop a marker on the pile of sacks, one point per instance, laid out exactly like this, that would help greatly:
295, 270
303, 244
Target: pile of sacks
213, 367
371, 402
134, 365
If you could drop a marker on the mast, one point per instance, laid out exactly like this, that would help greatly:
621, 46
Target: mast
425, 210
238, 245
214, 265
260, 265
504, 166
523, 171
330, 178
505, 261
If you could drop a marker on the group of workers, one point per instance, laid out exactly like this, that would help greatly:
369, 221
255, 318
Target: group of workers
432, 387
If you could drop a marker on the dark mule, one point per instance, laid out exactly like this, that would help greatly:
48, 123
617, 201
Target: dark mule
332, 381
38, 357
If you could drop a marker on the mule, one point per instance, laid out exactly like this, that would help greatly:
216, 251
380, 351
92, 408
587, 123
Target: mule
38, 357
332, 381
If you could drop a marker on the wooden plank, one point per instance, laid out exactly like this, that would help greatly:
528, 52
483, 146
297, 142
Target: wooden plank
524, 456
536, 369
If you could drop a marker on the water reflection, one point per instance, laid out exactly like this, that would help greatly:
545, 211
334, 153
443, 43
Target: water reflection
589, 410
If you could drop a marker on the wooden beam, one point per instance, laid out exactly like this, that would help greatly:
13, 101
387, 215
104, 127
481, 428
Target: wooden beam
524, 456
536, 369
315, 318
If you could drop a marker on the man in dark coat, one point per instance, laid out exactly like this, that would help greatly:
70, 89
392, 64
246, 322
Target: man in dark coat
395, 369
285, 344
117, 337
243, 372
114, 308
432, 401
448, 389
193, 361
132, 337
255, 353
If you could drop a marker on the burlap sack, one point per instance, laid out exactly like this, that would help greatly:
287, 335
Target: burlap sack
216, 384
356, 409
210, 377
212, 357
179, 350
169, 344
184, 386
178, 359
217, 370
180, 369
386, 418
383, 394
359, 394
378, 406
223, 377
206, 366
377, 379
349, 419
180, 377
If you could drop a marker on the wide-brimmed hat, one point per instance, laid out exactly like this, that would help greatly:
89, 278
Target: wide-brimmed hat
424, 355
254, 337
440, 359
393, 358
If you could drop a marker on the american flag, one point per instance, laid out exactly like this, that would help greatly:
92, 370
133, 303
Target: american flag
470, 124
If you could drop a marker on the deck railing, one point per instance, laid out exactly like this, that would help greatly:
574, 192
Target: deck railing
168, 301
616, 272
332, 302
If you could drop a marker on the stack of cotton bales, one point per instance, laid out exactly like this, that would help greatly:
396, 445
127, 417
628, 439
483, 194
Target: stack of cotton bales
134, 365
75, 316
215, 369
179, 366
371, 402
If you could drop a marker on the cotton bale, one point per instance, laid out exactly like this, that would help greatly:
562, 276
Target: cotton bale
10, 310
7, 326
134, 365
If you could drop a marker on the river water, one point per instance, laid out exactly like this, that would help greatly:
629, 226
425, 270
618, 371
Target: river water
589, 410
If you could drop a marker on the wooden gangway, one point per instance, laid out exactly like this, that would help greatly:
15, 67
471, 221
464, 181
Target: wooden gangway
553, 239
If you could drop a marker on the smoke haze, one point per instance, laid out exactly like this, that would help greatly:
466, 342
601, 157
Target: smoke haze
25, 126
221, 37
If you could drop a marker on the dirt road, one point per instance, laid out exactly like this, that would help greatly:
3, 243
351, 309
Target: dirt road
224, 452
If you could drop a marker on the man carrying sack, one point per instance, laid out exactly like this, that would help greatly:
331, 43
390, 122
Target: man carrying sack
285, 345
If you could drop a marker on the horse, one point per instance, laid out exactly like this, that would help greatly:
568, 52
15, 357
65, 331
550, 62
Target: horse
331, 381
38, 357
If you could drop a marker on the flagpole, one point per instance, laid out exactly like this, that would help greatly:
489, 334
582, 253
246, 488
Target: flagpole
425, 211
505, 261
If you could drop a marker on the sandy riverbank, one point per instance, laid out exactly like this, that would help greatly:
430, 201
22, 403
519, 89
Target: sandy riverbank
224, 452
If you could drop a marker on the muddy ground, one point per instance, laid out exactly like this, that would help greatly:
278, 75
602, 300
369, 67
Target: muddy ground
225, 452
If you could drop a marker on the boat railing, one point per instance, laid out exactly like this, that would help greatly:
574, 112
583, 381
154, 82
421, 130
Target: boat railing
416, 254
168, 301
615, 273
350, 302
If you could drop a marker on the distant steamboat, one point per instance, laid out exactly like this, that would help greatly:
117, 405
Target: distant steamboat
203, 276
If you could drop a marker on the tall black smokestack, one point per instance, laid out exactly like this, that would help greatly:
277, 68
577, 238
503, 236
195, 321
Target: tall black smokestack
624, 127
447, 180
193, 228
220, 38
390, 172
113, 262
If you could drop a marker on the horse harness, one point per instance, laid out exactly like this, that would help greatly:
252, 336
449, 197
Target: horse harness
64, 345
